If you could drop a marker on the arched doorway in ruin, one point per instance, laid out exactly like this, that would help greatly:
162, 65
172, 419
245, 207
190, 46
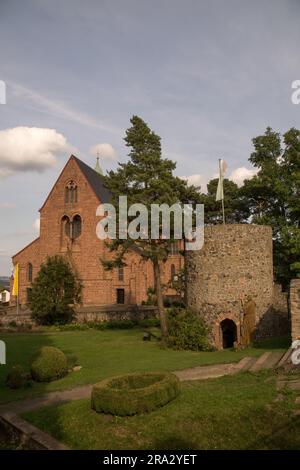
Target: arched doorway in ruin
228, 333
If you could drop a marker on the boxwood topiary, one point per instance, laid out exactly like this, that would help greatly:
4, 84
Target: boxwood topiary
16, 377
134, 393
48, 364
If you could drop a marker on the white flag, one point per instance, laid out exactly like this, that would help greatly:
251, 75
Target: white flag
220, 190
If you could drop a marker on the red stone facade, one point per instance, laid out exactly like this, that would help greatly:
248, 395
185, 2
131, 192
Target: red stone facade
85, 251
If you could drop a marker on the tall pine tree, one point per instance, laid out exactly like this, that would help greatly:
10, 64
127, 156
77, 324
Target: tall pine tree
146, 178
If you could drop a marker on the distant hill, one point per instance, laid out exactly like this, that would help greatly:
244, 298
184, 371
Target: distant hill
4, 281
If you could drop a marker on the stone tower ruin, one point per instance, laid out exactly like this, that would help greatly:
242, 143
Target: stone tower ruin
230, 284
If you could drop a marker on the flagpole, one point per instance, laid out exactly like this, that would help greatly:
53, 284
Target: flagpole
221, 176
18, 294
223, 210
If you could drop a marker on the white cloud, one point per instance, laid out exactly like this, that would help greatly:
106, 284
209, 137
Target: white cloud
7, 205
36, 225
30, 149
196, 180
104, 151
240, 174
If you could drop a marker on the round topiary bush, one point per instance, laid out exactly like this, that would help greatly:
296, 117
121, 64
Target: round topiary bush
134, 393
16, 377
48, 364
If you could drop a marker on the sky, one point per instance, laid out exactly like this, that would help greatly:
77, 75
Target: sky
207, 76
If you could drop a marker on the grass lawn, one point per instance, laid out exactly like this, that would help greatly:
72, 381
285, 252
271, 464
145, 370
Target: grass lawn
233, 412
104, 354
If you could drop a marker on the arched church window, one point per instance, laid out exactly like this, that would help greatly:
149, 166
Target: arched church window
30, 272
66, 225
71, 192
76, 226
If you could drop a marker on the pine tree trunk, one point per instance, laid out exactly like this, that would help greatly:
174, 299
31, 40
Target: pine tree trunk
160, 303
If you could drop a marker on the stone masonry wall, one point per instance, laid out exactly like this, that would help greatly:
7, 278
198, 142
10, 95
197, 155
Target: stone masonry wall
295, 308
234, 267
8, 315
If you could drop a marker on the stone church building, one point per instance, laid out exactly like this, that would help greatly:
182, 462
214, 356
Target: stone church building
68, 227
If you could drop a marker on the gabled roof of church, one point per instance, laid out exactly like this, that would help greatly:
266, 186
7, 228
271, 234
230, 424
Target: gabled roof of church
95, 180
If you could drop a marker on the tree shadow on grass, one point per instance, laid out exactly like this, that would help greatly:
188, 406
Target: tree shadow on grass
285, 437
173, 442
20, 347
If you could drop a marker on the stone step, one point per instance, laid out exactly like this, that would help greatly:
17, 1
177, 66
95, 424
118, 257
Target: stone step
246, 363
206, 372
294, 384
285, 358
272, 360
259, 363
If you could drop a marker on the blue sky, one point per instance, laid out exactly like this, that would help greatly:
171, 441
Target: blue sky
206, 75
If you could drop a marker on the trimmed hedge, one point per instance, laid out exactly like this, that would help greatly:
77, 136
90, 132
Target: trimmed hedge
16, 377
134, 393
110, 325
48, 364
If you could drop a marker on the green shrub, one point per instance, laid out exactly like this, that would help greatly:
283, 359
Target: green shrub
73, 327
54, 292
109, 325
149, 323
187, 331
121, 324
48, 364
134, 393
16, 378
113, 325
97, 325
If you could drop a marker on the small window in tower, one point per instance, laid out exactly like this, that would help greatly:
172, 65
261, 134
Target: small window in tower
121, 273
76, 226
71, 192
30, 272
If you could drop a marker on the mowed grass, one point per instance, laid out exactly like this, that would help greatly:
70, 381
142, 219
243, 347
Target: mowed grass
105, 354
233, 412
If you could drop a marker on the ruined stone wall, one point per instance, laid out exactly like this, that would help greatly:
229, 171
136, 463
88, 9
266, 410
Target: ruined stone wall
101, 313
276, 321
234, 267
295, 308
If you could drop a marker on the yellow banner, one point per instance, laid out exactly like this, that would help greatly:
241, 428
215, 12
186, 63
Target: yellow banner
15, 290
